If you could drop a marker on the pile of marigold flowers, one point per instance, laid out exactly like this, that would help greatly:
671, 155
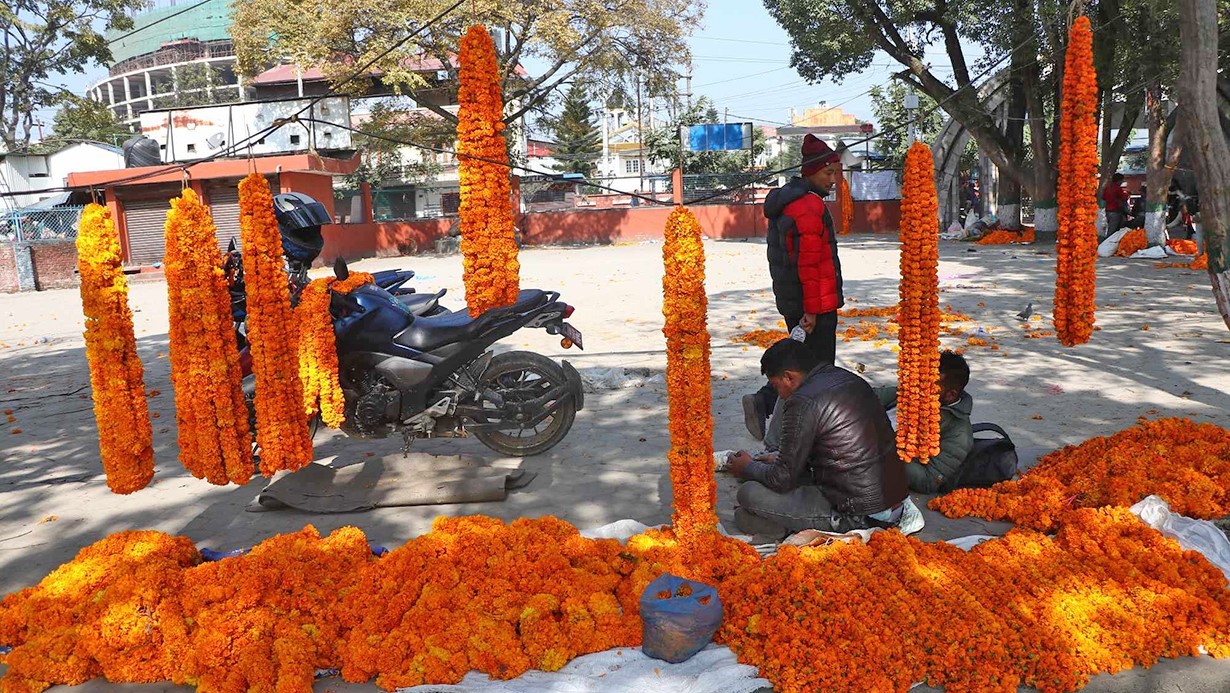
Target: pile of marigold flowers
761, 338
1183, 246
1006, 236
1185, 463
1132, 241
477, 594
1201, 262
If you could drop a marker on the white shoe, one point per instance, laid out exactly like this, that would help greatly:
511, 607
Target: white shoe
911, 518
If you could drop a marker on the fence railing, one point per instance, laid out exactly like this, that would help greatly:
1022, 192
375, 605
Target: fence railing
22, 226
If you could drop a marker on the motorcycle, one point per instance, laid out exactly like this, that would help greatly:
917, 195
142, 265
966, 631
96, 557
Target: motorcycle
409, 366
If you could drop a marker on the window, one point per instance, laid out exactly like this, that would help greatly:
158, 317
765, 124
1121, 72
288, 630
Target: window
294, 139
632, 166
192, 149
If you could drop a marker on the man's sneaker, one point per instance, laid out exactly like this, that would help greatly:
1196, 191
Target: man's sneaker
911, 518
754, 416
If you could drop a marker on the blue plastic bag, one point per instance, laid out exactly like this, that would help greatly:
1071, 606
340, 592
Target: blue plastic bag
679, 616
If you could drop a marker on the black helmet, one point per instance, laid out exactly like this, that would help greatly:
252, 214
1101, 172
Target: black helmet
299, 219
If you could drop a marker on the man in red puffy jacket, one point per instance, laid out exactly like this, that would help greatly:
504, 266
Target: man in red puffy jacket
803, 263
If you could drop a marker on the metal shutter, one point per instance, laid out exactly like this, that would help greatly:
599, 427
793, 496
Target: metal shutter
224, 208
145, 221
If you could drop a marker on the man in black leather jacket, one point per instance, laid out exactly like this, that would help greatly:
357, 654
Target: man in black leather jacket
837, 468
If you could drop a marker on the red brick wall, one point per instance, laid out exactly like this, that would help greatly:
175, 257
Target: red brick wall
8, 269
55, 265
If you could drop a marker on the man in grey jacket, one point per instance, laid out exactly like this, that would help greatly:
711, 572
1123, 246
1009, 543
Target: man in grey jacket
837, 468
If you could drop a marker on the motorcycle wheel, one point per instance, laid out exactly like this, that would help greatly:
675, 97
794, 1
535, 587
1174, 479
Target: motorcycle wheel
523, 376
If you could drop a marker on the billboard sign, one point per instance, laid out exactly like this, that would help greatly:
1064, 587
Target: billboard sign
716, 137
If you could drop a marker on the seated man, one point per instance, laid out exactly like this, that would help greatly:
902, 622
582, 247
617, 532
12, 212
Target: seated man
837, 468
956, 432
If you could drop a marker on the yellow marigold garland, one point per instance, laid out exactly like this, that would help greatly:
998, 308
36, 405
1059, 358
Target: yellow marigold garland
918, 313
846, 199
211, 417
684, 307
488, 246
1187, 464
125, 437
1077, 244
281, 425
318, 366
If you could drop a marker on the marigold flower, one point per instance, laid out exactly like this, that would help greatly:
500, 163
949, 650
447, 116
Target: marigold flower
318, 365
281, 425
211, 417
1005, 236
1076, 248
1132, 241
488, 244
684, 306
125, 436
918, 313
846, 200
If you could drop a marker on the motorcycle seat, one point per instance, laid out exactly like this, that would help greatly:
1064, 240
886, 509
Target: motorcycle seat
432, 331
421, 304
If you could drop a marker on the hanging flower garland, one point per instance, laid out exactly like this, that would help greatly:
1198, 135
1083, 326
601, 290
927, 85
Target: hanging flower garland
488, 246
125, 437
847, 206
211, 417
684, 307
918, 314
1076, 250
281, 426
318, 365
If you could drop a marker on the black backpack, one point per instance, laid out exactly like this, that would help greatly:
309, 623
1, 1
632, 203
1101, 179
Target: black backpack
989, 462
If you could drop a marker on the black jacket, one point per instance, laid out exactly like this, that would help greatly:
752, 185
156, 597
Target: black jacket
835, 435
802, 250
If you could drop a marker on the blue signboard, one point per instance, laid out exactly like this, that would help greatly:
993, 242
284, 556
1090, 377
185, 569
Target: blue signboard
717, 137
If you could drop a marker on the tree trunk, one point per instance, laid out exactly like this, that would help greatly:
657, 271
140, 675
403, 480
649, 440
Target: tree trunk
1163, 159
1205, 137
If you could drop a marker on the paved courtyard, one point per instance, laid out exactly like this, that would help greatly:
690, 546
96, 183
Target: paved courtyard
1162, 351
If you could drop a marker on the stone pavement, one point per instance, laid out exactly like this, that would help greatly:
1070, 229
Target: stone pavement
1162, 352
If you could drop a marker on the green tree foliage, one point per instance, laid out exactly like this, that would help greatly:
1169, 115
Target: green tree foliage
888, 105
604, 42
578, 141
662, 145
86, 119
44, 39
386, 159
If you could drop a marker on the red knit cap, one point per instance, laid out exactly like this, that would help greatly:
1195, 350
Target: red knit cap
817, 154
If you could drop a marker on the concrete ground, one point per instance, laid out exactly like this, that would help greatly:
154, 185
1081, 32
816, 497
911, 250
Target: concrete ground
1162, 351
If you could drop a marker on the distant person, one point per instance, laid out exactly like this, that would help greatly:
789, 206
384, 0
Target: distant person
1116, 197
973, 197
803, 263
837, 468
956, 431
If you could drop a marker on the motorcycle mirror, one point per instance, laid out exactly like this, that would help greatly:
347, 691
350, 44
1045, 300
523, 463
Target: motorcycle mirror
340, 270
231, 247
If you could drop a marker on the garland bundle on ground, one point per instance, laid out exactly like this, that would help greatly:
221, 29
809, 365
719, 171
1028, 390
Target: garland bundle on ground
488, 245
1077, 241
1106, 593
1131, 242
318, 366
846, 199
281, 426
918, 314
1185, 463
125, 438
1006, 236
1183, 246
211, 418
684, 307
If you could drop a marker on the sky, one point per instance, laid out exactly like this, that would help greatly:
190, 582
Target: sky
741, 60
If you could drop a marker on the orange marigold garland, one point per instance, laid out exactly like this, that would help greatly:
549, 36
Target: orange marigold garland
281, 426
1183, 246
211, 417
918, 313
1187, 464
1077, 243
1005, 236
318, 366
488, 246
1131, 242
846, 199
684, 306
125, 437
